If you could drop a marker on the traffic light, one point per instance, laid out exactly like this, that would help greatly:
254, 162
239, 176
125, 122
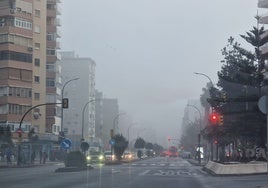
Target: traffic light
19, 131
221, 120
214, 118
65, 103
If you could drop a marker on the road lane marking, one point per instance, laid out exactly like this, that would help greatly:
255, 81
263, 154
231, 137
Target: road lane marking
144, 173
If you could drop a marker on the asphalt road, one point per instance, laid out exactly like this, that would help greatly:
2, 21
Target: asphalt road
155, 173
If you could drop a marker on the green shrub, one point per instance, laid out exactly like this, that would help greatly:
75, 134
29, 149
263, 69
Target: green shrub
75, 159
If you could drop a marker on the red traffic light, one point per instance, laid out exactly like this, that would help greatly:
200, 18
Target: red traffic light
214, 118
19, 131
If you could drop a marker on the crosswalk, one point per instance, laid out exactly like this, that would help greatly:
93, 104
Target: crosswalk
160, 164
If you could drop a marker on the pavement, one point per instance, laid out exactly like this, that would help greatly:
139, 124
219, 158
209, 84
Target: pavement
235, 168
13, 164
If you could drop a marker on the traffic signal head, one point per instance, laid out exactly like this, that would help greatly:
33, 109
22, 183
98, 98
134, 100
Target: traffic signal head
221, 120
65, 103
19, 131
214, 118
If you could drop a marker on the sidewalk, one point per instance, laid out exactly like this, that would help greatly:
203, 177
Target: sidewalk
196, 163
235, 168
13, 164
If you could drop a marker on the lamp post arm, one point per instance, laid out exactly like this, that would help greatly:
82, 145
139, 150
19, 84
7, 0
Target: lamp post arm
34, 108
199, 73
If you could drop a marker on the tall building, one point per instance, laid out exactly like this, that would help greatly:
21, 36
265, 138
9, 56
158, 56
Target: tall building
53, 68
81, 95
24, 52
106, 112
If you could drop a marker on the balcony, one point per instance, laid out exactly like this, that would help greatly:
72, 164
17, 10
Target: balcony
263, 19
264, 49
263, 4
51, 13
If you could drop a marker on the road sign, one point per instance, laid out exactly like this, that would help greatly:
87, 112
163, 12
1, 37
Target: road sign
263, 104
66, 144
112, 142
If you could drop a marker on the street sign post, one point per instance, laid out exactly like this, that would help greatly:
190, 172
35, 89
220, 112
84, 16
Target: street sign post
66, 144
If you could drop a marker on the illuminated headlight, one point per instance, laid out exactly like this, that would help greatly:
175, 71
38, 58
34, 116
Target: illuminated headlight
88, 158
113, 157
101, 157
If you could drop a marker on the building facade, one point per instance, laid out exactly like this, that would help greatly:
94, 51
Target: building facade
106, 112
81, 95
23, 57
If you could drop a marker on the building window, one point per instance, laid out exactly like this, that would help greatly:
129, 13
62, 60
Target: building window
18, 22
50, 68
36, 96
17, 56
38, 13
51, 52
3, 109
37, 46
36, 79
50, 82
37, 62
36, 29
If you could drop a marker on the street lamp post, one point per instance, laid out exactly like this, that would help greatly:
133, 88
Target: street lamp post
83, 117
112, 131
199, 134
202, 74
62, 93
115, 118
131, 125
199, 73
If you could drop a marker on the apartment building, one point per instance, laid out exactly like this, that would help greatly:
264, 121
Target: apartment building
107, 110
25, 51
78, 75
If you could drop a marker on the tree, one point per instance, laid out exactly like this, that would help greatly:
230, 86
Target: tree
157, 149
120, 145
240, 82
149, 145
189, 137
140, 143
5, 135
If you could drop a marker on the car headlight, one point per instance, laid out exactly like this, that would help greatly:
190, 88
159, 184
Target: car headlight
101, 157
88, 158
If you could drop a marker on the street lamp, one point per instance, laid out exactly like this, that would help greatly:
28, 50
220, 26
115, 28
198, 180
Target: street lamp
115, 118
83, 117
62, 93
199, 73
199, 134
131, 125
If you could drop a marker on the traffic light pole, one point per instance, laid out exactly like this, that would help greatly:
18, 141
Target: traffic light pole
24, 115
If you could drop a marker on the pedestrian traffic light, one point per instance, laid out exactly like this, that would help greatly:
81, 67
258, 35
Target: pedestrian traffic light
214, 118
65, 103
221, 120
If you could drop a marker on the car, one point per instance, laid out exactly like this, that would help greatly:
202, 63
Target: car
128, 156
94, 157
109, 157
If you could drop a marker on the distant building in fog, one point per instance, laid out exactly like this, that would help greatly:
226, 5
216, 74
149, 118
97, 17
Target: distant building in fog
79, 93
106, 111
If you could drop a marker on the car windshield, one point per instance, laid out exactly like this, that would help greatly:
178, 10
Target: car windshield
133, 93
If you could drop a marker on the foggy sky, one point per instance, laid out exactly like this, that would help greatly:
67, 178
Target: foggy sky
147, 50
